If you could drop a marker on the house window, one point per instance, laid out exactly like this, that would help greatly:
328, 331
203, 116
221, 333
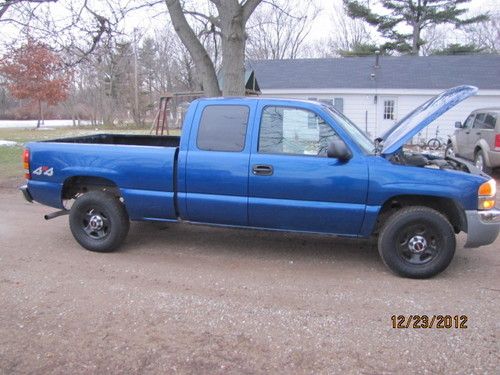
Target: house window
338, 104
388, 109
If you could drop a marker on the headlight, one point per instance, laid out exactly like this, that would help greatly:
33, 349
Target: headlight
486, 195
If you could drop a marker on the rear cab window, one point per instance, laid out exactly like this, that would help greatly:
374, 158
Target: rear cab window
223, 128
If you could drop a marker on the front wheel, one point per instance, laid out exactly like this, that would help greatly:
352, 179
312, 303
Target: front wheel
480, 162
98, 221
449, 152
417, 242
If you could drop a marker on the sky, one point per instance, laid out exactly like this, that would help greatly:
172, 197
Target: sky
321, 28
323, 25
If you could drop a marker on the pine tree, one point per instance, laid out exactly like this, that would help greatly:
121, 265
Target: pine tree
417, 14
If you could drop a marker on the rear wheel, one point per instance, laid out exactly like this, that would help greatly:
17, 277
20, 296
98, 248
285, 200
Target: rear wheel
98, 221
417, 242
480, 162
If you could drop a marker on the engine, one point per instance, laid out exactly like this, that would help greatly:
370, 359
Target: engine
427, 161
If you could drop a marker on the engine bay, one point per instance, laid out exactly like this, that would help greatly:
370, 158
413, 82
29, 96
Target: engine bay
417, 159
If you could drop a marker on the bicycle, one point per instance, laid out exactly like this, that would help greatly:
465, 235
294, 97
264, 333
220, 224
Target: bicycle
436, 143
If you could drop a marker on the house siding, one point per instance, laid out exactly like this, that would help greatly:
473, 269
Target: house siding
362, 109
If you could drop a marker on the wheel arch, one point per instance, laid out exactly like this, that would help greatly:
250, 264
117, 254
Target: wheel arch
451, 209
452, 139
75, 185
482, 145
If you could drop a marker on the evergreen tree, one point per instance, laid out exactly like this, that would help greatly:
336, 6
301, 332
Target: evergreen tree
458, 49
416, 14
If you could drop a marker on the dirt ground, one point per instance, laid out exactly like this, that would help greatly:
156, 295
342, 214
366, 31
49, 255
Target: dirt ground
198, 300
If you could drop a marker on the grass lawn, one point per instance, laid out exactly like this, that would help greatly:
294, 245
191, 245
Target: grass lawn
10, 156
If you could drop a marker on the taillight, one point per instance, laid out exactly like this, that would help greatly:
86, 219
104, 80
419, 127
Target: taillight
497, 140
26, 163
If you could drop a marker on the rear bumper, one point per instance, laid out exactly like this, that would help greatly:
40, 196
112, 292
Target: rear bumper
482, 227
26, 193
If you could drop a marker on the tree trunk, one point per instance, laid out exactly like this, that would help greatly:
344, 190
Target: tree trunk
39, 113
233, 48
199, 54
415, 48
43, 114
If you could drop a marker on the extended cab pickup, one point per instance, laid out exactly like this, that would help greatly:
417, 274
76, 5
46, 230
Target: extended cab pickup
273, 164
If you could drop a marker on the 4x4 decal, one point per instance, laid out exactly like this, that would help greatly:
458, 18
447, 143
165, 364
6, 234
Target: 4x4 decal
44, 170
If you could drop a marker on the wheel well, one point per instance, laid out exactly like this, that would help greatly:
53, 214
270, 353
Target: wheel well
477, 149
76, 185
446, 206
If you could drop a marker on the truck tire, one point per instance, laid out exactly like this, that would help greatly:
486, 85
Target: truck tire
99, 221
417, 242
480, 162
449, 152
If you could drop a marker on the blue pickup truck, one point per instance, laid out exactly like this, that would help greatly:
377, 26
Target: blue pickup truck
273, 164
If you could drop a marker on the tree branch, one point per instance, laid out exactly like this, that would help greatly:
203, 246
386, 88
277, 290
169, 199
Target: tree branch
249, 7
8, 3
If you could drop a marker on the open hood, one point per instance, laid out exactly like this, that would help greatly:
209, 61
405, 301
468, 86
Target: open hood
404, 130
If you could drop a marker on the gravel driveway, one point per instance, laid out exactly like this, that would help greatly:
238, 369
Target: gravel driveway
192, 299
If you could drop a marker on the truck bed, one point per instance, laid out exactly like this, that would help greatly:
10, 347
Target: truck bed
123, 139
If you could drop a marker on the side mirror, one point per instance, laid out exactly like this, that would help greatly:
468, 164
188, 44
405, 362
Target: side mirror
458, 125
338, 149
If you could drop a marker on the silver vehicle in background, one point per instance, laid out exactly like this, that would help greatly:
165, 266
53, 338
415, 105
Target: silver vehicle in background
478, 139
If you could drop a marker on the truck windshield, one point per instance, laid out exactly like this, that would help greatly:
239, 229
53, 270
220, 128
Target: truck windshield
357, 135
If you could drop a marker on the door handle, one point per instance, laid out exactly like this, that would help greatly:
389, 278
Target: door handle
262, 170
478, 133
467, 132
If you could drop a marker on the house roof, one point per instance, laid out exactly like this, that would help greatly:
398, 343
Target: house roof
402, 72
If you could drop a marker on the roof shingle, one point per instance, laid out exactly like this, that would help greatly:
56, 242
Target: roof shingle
402, 72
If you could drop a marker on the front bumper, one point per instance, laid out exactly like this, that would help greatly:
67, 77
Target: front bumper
482, 227
26, 193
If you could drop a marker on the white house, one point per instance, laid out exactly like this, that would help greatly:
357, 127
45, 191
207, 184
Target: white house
375, 94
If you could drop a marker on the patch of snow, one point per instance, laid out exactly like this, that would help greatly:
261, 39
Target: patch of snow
32, 123
7, 143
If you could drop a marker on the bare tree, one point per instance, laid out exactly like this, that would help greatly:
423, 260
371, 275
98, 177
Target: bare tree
278, 29
435, 38
229, 20
6, 4
76, 26
485, 34
349, 35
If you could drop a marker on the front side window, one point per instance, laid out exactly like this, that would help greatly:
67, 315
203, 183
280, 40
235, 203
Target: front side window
479, 121
294, 131
223, 128
389, 109
469, 121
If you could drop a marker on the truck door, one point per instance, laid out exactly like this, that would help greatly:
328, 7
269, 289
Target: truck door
216, 172
463, 135
293, 185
